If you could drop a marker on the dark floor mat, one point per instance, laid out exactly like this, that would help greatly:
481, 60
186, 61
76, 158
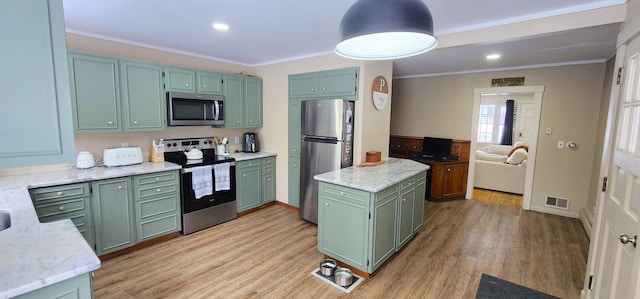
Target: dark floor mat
495, 288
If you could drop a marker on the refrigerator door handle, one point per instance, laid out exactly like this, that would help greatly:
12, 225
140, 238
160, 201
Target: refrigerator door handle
320, 139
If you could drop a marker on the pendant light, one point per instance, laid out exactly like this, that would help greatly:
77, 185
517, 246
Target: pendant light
386, 29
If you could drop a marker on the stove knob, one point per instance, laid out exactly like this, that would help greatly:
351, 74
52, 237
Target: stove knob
175, 144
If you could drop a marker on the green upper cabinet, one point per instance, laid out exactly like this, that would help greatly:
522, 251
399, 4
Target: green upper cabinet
332, 83
144, 107
233, 94
295, 130
178, 79
252, 102
242, 101
36, 105
209, 83
95, 91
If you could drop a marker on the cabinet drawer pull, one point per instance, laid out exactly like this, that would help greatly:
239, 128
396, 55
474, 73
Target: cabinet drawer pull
244, 175
324, 88
158, 190
295, 166
295, 150
186, 85
61, 208
60, 193
135, 122
157, 178
237, 121
341, 193
269, 179
110, 122
313, 89
404, 199
120, 187
326, 204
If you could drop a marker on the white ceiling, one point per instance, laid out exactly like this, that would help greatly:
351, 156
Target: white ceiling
266, 32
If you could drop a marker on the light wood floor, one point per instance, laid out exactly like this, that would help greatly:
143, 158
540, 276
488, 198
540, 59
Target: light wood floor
271, 253
497, 197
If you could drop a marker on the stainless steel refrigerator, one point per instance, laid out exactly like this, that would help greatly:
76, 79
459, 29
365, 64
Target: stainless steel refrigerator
327, 139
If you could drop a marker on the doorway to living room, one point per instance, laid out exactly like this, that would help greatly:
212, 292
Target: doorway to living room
532, 113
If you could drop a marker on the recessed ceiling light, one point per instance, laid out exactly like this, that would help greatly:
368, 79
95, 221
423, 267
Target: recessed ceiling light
220, 26
493, 56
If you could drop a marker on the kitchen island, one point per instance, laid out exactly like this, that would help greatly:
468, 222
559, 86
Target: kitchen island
44, 256
367, 214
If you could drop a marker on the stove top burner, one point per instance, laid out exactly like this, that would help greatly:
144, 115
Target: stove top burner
175, 149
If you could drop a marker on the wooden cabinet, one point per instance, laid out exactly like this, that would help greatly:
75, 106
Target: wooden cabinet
332, 83
78, 287
36, 103
95, 91
157, 204
113, 214
294, 181
256, 182
143, 101
243, 102
66, 202
448, 179
111, 95
364, 229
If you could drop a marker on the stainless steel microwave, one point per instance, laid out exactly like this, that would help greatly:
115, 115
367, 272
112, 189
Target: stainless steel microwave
190, 109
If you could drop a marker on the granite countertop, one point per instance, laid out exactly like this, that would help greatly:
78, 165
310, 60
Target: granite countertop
35, 255
240, 156
374, 178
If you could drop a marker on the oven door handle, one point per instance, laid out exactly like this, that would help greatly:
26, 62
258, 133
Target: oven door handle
190, 170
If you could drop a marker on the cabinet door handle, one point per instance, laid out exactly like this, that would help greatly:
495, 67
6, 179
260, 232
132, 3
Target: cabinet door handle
244, 175
326, 204
324, 89
251, 121
341, 193
61, 208
135, 122
237, 121
449, 169
295, 166
313, 89
204, 86
186, 85
157, 178
110, 122
404, 199
60, 193
120, 187
158, 190
295, 150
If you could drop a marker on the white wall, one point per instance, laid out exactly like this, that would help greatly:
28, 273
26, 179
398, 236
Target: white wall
442, 107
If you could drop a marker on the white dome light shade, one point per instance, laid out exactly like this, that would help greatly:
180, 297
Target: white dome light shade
386, 29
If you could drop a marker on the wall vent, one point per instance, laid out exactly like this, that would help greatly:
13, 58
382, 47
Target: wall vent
557, 202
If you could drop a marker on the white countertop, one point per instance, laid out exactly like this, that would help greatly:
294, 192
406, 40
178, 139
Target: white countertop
33, 254
374, 178
240, 156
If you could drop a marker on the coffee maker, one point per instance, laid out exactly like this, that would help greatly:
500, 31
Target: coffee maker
250, 143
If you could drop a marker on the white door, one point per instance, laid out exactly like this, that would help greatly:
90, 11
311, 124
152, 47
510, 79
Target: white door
526, 120
617, 264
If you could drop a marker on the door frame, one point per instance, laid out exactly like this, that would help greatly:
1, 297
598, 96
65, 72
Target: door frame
537, 92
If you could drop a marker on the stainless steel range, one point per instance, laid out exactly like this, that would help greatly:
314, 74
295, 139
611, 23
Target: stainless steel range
207, 182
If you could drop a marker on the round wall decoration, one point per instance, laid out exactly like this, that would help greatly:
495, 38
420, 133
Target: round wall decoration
380, 92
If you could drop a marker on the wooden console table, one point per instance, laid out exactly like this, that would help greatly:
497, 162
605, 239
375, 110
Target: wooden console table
448, 179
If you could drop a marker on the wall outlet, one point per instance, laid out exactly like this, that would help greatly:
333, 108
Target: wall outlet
560, 143
548, 131
237, 139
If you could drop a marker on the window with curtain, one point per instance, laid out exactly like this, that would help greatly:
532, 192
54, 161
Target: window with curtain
491, 122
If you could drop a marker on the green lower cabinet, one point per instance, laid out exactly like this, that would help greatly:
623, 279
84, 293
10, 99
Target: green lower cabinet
79, 287
364, 229
418, 203
294, 181
157, 204
268, 179
113, 214
249, 184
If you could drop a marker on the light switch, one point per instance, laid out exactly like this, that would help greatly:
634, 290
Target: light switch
560, 143
237, 139
548, 131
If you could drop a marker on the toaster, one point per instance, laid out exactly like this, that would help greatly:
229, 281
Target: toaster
121, 156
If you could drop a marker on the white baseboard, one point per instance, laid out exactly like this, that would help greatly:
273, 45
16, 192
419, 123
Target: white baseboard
555, 212
587, 221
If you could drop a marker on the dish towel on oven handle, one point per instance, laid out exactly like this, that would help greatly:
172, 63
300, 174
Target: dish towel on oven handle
223, 181
201, 181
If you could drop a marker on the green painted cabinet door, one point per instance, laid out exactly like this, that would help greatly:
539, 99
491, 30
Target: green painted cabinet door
157, 204
405, 212
249, 184
268, 179
343, 224
233, 101
418, 204
342, 82
209, 83
384, 228
143, 101
113, 214
295, 131
252, 102
36, 103
294, 181
177, 79
78, 287
95, 92
303, 85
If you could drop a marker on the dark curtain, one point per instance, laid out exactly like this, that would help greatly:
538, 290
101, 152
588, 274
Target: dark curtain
507, 132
